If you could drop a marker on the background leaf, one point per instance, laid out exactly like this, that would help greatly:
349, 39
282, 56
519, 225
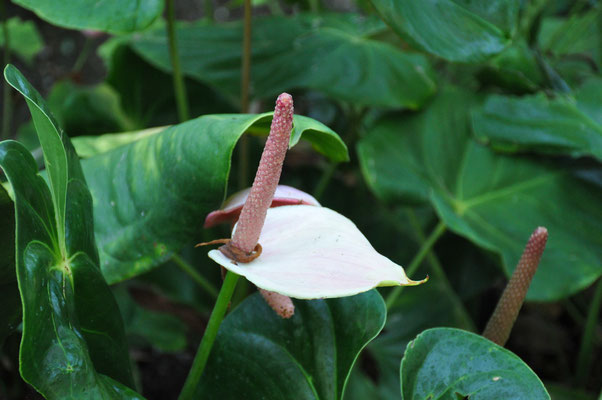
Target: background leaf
495, 201
24, 39
447, 363
60, 281
296, 52
306, 357
116, 16
541, 124
151, 196
457, 30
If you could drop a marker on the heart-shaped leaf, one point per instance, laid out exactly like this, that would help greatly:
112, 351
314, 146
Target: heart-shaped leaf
311, 252
446, 363
457, 30
84, 353
114, 16
151, 196
258, 355
494, 200
297, 52
537, 123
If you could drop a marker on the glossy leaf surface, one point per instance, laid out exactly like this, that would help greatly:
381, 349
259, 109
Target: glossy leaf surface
445, 363
457, 30
537, 123
298, 52
259, 355
116, 16
151, 196
492, 199
61, 286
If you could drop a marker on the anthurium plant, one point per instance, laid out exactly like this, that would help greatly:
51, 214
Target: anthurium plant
424, 220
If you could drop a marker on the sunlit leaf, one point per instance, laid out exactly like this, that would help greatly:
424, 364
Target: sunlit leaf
114, 16
457, 30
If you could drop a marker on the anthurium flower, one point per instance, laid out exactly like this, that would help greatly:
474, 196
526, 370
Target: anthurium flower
305, 251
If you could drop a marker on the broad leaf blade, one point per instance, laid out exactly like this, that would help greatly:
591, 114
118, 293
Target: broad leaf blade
259, 355
59, 278
445, 363
298, 52
537, 123
494, 200
116, 16
151, 196
457, 30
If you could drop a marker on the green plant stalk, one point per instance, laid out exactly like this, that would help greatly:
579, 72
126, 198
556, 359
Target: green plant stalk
208, 8
584, 360
6, 96
439, 273
245, 74
314, 6
204, 350
417, 260
178, 79
324, 180
83, 56
195, 275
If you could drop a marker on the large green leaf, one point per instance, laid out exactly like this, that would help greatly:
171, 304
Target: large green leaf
23, 38
151, 195
537, 123
446, 363
114, 16
332, 53
494, 200
258, 355
457, 30
69, 314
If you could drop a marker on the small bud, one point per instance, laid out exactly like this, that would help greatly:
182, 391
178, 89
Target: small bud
281, 304
500, 324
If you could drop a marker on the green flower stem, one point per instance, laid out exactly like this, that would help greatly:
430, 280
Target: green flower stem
439, 273
178, 79
194, 274
7, 107
202, 354
208, 7
417, 260
245, 75
584, 360
314, 6
324, 180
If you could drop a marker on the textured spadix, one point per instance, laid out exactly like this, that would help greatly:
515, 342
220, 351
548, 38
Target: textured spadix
313, 252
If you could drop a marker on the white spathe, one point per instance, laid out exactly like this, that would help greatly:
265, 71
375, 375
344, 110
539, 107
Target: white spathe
314, 252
